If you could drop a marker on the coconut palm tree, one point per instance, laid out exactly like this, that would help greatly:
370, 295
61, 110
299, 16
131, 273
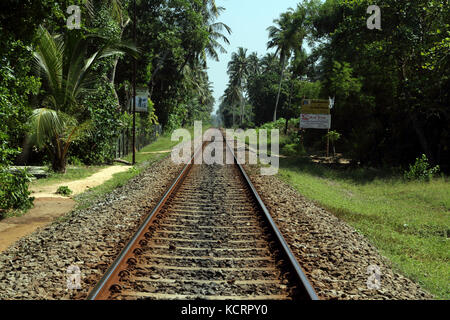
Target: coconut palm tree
285, 36
238, 70
54, 131
67, 73
215, 30
231, 99
254, 67
269, 62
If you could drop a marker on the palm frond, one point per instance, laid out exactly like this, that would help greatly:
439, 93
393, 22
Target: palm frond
48, 57
45, 125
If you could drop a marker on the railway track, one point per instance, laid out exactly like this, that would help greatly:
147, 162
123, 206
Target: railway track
210, 237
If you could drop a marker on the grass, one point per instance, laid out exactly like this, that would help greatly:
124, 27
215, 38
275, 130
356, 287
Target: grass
408, 221
164, 143
144, 159
72, 173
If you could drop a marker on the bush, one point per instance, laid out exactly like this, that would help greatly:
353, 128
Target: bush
279, 124
14, 192
421, 170
73, 160
292, 149
64, 190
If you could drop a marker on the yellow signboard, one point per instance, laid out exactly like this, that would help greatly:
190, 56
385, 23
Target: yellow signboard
311, 106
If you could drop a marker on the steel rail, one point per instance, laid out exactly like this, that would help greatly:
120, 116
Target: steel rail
98, 292
308, 290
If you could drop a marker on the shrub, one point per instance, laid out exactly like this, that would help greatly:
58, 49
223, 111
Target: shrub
14, 192
279, 124
421, 170
64, 190
73, 160
292, 149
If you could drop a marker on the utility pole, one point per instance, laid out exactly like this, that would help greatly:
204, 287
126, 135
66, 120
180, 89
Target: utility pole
134, 86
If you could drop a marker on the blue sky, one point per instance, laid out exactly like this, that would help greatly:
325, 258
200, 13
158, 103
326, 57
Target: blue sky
248, 20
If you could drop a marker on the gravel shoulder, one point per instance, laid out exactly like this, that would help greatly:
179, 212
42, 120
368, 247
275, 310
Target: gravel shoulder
334, 255
35, 267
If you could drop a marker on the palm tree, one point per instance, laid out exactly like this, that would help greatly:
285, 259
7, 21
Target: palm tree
55, 131
67, 74
254, 67
214, 35
269, 62
231, 99
238, 70
285, 36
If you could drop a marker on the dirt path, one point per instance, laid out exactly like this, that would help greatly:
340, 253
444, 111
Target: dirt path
48, 206
78, 186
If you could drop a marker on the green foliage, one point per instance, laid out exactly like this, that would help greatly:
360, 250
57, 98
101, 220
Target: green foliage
421, 170
14, 193
390, 85
69, 77
73, 160
333, 136
98, 146
64, 190
279, 124
292, 149
173, 66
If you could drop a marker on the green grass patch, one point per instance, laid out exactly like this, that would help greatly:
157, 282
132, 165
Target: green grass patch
144, 159
408, 221
164, 143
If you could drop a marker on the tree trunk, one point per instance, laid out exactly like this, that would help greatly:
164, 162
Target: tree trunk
242, 112
279, 91
422, 139
59, 164
416, 125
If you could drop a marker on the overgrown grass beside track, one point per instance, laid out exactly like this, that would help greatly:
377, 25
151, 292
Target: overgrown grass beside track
408, 221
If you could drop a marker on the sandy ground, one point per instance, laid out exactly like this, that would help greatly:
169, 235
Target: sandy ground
48, 206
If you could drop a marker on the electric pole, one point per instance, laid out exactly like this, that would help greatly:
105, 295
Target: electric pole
134, 86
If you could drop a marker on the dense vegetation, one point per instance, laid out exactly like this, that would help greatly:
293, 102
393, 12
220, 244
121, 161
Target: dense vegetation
390, 85
64, 93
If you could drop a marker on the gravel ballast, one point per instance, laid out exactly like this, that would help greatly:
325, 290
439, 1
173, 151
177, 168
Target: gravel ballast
334, 255
35, 267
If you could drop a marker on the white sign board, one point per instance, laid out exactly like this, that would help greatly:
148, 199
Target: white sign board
315, 121
141, 101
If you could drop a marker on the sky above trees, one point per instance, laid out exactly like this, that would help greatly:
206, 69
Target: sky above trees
248, 20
